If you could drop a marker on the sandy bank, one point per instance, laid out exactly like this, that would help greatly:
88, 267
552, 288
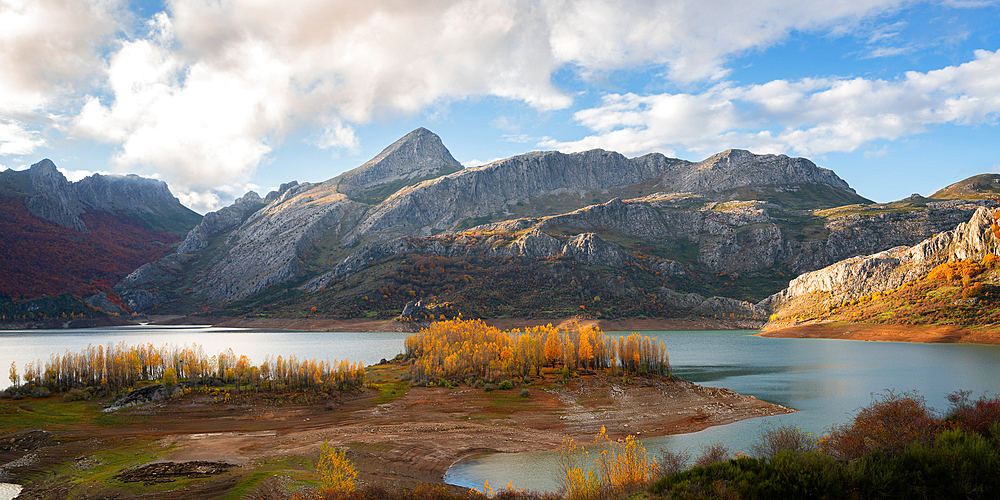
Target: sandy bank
889, 333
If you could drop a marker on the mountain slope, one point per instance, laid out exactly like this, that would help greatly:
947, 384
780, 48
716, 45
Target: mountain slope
82, 237
47, 194
977, 187
417, 156
314, 235
857, 280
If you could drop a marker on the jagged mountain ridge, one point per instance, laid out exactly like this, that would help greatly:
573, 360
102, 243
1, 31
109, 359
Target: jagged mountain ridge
313, 228
82, 237
49, 195
417, 156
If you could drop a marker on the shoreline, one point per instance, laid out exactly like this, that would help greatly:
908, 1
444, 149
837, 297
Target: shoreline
410, 438
923, 334
368, 325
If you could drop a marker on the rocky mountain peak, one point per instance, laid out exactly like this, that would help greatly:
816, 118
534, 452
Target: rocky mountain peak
417, 156
728, 159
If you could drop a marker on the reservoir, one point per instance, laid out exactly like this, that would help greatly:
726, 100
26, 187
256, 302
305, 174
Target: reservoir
827, 381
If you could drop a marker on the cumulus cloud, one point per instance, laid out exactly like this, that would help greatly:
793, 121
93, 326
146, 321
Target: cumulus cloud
214, 87
76, 175
15, 139
47, 49
810, 116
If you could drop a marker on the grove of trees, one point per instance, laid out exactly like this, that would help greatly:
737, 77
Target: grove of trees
471, 349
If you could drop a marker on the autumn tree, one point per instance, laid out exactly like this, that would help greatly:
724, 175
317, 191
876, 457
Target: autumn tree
335, 470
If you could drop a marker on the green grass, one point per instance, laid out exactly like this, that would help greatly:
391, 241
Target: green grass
48, 413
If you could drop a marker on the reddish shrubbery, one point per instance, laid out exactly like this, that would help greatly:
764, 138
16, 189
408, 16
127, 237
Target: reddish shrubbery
40, 257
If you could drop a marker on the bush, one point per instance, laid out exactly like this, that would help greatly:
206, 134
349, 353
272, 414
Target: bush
673, 462
505, 385
972, 416
40, 392
712, 454
76, 395
488, 387
784, 438
890, 425
525, 393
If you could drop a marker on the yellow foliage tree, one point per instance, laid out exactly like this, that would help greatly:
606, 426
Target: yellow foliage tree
335, 470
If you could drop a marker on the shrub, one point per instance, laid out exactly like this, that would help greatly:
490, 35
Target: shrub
488, 387
712, 454
525, 393
76, 395
785, 438
335, 470
972, 416
40, 392
505, 385
673, 462
890, 425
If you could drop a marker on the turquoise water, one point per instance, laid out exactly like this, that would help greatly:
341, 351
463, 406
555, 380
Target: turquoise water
24, 346
825, 380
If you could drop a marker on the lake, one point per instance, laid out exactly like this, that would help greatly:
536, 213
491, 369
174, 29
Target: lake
825, 380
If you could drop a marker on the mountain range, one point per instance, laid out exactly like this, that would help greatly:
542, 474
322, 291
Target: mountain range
543, 234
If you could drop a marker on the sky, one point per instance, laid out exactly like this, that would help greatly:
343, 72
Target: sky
218, 97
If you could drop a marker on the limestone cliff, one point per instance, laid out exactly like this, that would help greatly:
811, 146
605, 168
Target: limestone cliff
864, 275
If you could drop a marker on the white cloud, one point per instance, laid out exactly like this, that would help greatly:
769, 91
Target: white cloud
47, 49
811, 116
692, 39
213, 87
478, 163
15, 139
76, 175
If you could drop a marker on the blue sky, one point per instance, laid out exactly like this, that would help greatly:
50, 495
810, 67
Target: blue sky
219, 97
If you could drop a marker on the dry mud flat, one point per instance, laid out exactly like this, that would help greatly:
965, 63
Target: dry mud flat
937, 334
403, 440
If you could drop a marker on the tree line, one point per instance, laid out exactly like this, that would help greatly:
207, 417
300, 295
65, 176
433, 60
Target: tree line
122, 366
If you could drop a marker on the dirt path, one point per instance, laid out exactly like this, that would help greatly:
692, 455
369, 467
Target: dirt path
889, 333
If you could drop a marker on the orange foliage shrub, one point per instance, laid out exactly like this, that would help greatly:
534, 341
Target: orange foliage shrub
890, 425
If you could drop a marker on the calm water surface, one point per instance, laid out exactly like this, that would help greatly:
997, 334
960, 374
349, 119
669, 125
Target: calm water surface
825, 380
24, 346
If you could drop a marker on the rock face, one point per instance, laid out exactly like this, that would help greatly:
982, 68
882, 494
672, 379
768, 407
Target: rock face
736, 168
264, 242
864, 275
47, 194
143, 289
417, 156
220, 221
